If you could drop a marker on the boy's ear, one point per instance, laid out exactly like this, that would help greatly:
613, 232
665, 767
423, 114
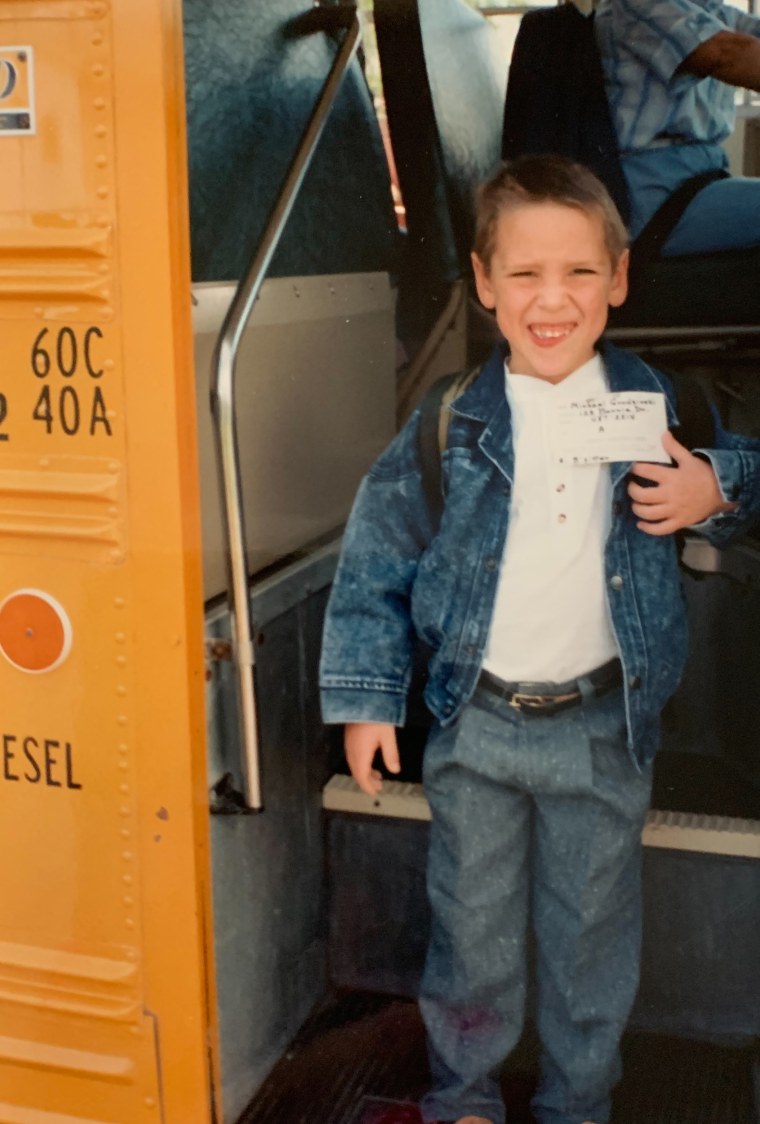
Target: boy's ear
482, 282
619, 283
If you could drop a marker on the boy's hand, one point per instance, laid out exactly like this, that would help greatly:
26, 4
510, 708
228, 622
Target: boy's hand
684, 495
361, 741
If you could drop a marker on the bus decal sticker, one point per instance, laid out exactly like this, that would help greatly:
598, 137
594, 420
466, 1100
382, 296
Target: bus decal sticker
17, 116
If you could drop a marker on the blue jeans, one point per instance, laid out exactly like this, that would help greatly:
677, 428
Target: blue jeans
723, 216
536, 822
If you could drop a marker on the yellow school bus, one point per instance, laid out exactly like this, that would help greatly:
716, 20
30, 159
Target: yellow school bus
212, 321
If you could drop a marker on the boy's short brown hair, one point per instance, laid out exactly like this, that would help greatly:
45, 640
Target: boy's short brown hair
544, 179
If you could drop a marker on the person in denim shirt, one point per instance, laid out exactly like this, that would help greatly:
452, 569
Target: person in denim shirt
671, 72
550, 600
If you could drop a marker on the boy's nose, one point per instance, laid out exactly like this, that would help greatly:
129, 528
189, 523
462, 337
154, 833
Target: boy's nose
552, 295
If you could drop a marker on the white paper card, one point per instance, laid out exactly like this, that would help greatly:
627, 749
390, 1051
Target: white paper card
609, 427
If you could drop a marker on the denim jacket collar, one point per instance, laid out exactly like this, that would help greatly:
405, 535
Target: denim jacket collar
626, 371
485, 401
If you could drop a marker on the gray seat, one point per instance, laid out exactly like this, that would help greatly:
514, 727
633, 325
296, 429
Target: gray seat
444, 91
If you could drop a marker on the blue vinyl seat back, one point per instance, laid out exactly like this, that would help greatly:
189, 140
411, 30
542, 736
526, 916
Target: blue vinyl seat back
251, 88
444, 87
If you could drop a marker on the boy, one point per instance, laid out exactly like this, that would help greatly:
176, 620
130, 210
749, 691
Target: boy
549, 597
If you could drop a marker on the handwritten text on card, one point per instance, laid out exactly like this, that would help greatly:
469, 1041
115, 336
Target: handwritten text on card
609, 427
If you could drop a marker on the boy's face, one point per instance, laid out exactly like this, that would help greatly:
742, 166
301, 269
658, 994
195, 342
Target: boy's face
551, 282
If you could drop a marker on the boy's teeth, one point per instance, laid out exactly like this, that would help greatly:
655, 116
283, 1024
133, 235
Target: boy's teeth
549, 333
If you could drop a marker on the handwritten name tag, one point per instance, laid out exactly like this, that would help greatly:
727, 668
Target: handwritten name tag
609, 427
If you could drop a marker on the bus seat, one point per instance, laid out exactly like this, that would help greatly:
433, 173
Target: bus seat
556, 102
720, 289
444, 88
251, 87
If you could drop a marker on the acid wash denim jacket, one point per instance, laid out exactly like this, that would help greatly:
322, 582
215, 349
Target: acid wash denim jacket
400, 577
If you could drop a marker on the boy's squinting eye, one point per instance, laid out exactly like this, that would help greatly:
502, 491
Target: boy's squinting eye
584, 269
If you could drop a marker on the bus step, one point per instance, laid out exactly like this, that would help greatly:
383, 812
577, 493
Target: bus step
361, 1060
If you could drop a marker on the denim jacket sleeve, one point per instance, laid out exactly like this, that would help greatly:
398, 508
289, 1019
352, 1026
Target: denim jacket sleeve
736, 462
368, 639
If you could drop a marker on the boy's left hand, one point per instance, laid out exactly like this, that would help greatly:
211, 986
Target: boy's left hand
684, 495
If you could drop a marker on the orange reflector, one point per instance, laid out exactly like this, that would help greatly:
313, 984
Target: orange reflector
35, 631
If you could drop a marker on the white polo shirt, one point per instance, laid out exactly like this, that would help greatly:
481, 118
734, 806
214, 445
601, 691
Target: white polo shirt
550, 621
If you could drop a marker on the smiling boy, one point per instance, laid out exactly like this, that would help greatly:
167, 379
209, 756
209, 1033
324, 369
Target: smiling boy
550, 600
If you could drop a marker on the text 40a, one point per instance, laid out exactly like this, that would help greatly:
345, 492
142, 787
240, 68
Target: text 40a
67, 406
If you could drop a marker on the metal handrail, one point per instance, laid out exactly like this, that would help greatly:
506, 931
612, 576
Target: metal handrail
223, 404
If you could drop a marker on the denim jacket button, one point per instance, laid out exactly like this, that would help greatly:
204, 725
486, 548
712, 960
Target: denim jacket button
491, 563
470, 649
616, 581
634, 682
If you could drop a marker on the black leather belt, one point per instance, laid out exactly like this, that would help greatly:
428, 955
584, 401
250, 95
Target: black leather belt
549, 698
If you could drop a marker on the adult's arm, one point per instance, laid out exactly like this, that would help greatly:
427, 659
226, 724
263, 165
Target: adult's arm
730, 56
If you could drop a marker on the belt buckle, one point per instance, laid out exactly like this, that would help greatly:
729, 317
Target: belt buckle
533, 704
520, 700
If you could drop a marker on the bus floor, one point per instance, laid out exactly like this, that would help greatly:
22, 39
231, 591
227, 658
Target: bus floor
361, 1059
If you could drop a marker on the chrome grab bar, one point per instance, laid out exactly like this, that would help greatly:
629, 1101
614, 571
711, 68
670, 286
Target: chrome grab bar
223, 399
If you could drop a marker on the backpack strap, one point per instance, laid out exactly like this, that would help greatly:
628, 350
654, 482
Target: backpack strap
435, 417
696, 428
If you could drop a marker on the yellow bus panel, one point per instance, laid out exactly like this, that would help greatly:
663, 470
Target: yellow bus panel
104, 956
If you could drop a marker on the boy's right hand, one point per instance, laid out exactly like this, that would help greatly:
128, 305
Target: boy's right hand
362, 741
